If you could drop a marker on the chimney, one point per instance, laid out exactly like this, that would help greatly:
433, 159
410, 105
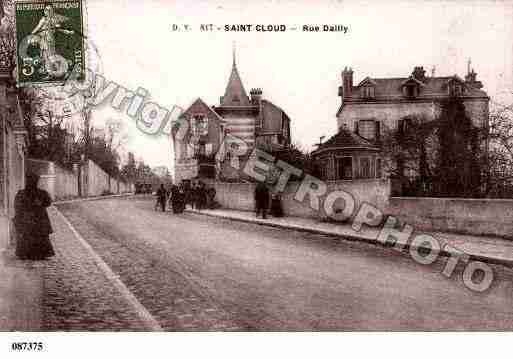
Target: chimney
347, 83
256, 95
470, 79
419, 73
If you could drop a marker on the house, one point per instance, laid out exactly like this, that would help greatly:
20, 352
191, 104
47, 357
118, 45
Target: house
378, 104
251, 119
12, 152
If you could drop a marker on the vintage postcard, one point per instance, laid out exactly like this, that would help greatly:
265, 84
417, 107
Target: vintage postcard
314, 168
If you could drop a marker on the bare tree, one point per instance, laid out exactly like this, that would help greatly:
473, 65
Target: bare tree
115, 134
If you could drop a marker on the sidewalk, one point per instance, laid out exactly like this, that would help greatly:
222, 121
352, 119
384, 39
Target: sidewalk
74, 290
487, 249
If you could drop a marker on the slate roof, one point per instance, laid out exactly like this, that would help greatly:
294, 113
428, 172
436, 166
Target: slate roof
235, 94
391, 88
430, 88
347, 139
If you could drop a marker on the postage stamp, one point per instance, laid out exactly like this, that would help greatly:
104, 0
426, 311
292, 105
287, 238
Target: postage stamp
50, 41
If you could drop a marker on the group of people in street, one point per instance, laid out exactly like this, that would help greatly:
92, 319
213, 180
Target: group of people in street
197, 195
33, 227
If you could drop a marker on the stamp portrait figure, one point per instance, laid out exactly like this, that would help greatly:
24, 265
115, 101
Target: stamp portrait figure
45, 29
50, 41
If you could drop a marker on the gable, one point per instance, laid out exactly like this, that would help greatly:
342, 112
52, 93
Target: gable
412, 81
367, 82
200, 107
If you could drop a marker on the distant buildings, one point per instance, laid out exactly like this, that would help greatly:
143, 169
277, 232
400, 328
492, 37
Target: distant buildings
378, 103
161, 171
252, 119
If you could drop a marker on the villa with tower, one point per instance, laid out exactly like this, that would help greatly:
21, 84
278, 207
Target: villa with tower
252, 120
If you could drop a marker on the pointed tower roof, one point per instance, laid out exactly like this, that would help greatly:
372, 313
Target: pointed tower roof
235, 95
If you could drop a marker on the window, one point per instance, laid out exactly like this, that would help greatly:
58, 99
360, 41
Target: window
455, 89
410, 91
403, 125
324, 169
344, 168
365, 167
200, 125
378, 168
367, 129
202, 149
367, 92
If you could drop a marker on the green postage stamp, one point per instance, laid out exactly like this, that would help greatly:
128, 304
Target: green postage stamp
50, 41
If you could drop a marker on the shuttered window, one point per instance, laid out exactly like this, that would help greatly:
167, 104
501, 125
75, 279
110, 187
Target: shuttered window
367, 129
365, 167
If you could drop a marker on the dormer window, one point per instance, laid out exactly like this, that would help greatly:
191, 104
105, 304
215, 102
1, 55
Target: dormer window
456, 89
367, 92
411, 91
411, 87
367, 87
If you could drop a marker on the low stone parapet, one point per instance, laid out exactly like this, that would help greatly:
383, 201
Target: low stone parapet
493, 217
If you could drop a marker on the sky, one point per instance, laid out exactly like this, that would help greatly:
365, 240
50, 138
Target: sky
298, 71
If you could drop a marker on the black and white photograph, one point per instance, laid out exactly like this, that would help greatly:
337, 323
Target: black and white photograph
185, 177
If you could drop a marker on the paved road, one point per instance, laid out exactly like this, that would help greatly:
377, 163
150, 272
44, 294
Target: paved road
193, 272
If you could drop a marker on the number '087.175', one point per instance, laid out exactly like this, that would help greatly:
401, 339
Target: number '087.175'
27, 346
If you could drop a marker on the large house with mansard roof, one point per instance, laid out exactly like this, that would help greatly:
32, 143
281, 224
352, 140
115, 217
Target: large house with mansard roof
374, 104
251, 119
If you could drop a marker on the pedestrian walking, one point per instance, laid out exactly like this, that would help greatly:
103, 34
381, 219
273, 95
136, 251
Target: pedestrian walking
276, 206
161, 197
261, 199
211, 198
196, 196
175, 199
31, 221
181, 199
202, 196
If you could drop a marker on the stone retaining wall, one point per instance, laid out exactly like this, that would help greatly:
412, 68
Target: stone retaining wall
471, 216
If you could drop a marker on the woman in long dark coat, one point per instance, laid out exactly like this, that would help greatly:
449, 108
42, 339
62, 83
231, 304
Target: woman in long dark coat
31, 221
175, 199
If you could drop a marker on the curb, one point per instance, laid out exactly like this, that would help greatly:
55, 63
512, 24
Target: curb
349, 237
96, 198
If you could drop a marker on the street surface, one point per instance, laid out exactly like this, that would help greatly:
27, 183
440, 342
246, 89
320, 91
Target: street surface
194, 272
